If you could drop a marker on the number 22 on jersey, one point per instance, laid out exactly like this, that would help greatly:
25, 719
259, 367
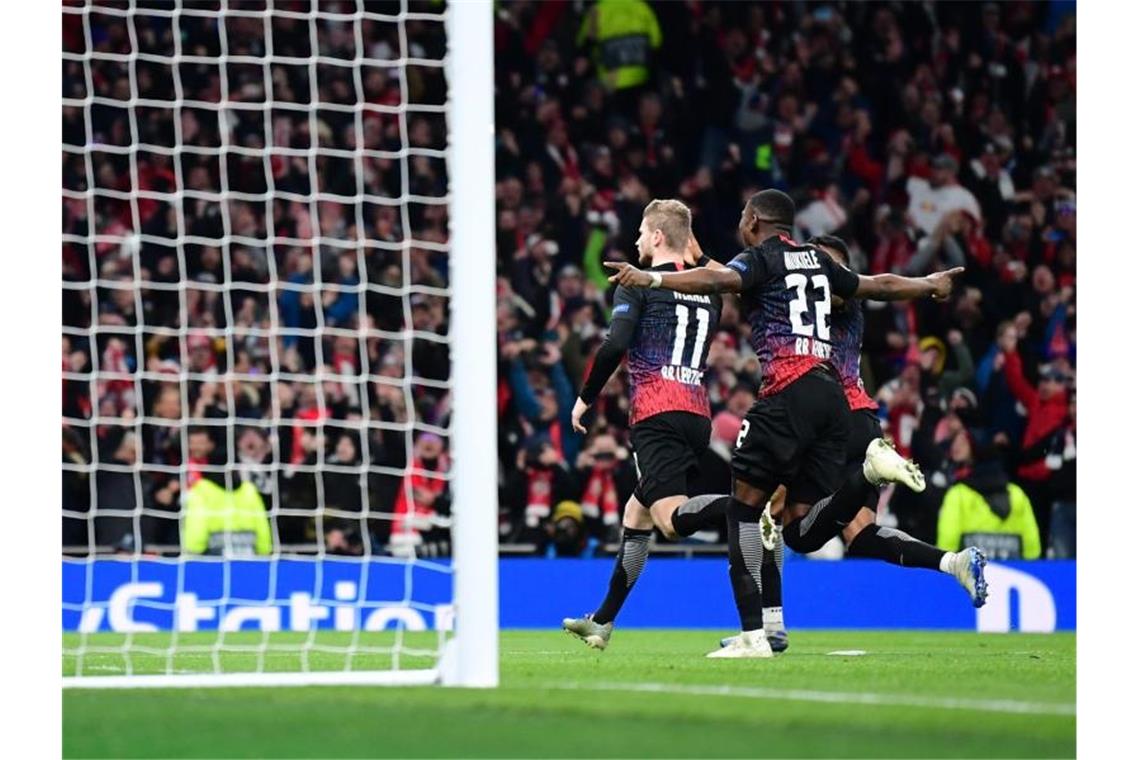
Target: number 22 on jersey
810, 330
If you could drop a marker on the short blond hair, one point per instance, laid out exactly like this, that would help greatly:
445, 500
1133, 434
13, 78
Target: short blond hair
674, 220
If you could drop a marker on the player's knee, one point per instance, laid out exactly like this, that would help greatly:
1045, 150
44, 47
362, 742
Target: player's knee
662, 512
749, 495
636, 516
798, 542
864, 518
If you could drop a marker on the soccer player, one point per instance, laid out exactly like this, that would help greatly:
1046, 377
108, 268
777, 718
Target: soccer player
667, 338
862, 537
796, 432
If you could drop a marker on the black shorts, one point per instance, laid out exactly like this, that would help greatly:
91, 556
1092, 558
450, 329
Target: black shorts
864, 428
666, 450
796, 438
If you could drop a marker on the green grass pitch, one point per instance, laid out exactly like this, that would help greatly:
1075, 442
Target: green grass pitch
651, 694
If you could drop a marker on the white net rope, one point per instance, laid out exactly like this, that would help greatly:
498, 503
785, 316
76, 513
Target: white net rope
256, 383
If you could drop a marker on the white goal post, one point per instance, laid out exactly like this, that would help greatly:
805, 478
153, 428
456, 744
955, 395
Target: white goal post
252, 609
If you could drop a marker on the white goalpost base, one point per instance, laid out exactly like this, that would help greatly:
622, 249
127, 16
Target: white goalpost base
264, 680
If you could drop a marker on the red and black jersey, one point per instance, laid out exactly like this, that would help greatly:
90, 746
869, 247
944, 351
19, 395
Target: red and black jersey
666, 337
846, 346
786, 293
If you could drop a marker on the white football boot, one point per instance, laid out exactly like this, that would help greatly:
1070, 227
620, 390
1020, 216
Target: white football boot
884, 465
969, 567
768, 528
749, 644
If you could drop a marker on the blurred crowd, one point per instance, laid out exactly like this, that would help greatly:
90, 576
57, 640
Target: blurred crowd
201, 300
924, 134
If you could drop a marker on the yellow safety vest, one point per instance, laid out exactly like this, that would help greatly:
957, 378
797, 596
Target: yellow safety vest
625, 32
228, 523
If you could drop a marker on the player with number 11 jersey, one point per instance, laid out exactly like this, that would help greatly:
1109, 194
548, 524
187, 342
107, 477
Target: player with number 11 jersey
666, 337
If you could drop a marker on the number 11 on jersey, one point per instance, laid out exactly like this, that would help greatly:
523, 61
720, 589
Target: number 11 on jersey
682, 333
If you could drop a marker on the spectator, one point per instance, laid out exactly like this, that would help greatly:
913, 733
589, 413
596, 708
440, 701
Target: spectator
255, 457
987, 511
423, 500
76, 489
1047, 416
540, 479
621, 35
1062, 459
931, 199
117, 489
608, 480
565, 532
225, 521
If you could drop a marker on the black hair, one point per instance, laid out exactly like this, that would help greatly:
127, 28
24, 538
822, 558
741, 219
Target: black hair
774, 207
834, 243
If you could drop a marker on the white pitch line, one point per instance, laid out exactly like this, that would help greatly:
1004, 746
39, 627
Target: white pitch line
836, 697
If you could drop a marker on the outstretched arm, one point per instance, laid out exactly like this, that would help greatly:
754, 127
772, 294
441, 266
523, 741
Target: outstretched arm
1015, 378
892, 287
700, 281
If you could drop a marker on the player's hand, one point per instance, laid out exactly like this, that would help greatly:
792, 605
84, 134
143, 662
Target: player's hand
943, 282
628, 275
580, 408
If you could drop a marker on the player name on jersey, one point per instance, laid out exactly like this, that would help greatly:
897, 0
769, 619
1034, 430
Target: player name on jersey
691, 298
800, 260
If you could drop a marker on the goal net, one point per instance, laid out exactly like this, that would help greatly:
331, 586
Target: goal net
270, 474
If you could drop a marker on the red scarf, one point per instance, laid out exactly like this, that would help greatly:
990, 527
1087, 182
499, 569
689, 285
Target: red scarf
407, 507
901, 424
539, 494
601, 497
312, 414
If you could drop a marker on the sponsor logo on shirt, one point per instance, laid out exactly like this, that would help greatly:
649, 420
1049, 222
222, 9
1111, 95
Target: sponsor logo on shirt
685, 375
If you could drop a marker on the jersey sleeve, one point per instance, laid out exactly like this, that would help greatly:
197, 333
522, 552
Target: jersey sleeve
623, 323
843, 281
626, 312
750, 267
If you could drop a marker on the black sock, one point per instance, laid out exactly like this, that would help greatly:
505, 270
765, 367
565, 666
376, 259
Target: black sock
700, 512
745, 555
894, 546
627, 567
828, 516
